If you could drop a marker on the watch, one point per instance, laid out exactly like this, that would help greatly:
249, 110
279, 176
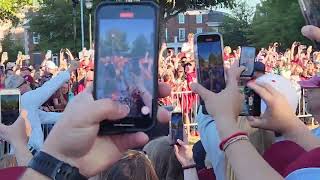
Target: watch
53, 168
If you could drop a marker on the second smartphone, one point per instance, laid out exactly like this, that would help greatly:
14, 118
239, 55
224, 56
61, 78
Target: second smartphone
126, 67
9, 105
247, 58
176, 127
210, 64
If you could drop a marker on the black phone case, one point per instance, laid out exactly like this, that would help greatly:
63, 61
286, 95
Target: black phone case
246, 75
204, 109
104, 129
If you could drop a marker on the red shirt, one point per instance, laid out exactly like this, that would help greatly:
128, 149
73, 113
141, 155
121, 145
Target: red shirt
85, 66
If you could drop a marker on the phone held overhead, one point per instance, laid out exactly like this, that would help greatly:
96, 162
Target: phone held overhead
126, 67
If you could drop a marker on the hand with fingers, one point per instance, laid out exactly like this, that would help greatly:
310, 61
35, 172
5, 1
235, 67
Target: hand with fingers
229, 100
282, 121
184, 153
18, 133
74, 138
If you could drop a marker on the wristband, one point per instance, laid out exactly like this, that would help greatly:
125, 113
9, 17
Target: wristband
231, 137
53, 168
233, 140
189, 166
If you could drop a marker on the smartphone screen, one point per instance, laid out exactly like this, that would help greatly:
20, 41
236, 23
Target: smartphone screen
126, 70
247, 57
10, 108
176, 127
210, 63
252, 102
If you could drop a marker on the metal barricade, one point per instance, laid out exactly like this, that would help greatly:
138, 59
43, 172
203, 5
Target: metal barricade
185, 102
302, 108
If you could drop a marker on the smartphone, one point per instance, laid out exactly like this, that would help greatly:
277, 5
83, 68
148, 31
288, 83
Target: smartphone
176, 127
311, 14
247, 58
126, 36
10, 105
252, 101
210, 67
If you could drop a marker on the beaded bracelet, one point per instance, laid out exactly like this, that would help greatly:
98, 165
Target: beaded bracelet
233, 140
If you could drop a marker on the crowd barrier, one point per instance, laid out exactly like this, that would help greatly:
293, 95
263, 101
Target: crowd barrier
187, 103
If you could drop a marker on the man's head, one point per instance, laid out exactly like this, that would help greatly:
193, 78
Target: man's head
15, 81
50, 67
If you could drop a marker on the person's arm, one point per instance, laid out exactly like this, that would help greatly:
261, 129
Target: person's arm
30, 174
246, 162
49, 117
210, 140
40, 95
70, 55
184, 155
23, 155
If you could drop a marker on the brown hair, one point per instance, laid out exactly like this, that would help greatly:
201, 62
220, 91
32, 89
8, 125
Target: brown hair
163, 157
7, 161
134, 165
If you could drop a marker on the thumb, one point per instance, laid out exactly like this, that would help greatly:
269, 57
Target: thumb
255, 122
203, 92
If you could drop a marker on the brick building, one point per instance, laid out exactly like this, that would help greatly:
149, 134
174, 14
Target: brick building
192, 21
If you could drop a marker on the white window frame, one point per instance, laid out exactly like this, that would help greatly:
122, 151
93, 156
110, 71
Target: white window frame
181, 36
181, 18
199, 30
199, 19
35, 38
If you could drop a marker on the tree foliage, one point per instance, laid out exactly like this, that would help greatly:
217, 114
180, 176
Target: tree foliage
277, 21
54, 19
236, 26
9, 9
11, 47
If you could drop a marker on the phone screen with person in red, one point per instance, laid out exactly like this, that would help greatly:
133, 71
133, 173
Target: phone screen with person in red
125, 69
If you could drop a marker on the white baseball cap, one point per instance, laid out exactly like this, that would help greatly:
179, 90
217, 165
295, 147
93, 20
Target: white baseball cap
284, 86
51, 65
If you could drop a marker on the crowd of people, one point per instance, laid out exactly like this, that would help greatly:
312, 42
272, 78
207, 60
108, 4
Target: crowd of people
73, 143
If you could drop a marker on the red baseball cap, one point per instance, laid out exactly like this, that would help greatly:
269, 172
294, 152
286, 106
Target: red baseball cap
312, 83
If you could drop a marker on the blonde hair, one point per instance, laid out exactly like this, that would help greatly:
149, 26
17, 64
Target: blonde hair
134, 165
162, 155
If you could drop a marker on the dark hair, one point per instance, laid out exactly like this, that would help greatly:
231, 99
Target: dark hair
133, 166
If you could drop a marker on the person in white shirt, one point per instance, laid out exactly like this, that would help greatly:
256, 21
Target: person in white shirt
32, 100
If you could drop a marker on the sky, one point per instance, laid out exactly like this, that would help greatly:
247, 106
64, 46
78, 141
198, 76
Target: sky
252, 3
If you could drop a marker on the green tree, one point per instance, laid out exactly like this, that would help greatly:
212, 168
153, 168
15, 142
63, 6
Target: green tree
54, 20
170, 8
11, 47
237, 25
140, 46
9, 9
115, 42
277, 21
